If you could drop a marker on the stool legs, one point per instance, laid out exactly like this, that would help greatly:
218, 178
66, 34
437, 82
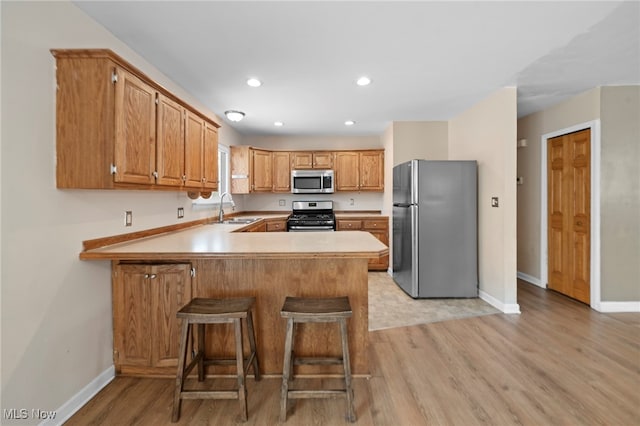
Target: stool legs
242, 391
180, 376
351, 415
252, 346
287, 370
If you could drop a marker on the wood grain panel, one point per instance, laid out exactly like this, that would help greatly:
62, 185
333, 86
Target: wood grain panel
170, 142
210, 157
193, 148
270, 281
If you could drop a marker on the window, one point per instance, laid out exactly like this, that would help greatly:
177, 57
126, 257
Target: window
224, 183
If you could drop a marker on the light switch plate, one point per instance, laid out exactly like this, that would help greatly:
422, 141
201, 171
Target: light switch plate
180, 212
494, 202
128, 218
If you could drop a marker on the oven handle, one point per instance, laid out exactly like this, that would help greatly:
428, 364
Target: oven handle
310, 228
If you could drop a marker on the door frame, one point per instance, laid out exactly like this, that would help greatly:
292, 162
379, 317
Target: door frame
594, 272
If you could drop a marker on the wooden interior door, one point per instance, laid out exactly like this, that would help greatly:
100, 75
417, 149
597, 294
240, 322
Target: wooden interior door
569, 214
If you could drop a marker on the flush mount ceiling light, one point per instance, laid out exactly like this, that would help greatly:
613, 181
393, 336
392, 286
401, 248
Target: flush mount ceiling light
234, 115
278, 123
254, 82
349, 123
363, 81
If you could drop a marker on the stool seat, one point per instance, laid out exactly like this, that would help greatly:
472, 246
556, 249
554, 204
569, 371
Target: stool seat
213, 309
316, 310
203, 311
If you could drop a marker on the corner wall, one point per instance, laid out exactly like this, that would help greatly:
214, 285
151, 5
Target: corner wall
487, 133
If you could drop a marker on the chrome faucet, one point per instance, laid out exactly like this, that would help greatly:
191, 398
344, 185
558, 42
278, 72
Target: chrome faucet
221, 212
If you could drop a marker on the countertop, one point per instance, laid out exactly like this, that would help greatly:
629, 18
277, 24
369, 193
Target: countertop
219, 241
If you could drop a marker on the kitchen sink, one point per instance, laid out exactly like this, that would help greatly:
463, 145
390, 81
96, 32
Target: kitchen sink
240, 220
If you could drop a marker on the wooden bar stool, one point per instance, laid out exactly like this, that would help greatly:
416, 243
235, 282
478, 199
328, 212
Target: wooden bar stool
202, 311
315, 310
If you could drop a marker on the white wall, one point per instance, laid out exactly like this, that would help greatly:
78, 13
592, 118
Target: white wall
423, 140
56, 309
487, 133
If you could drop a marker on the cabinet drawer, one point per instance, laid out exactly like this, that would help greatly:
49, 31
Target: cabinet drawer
276, 226
375, 224
349, 225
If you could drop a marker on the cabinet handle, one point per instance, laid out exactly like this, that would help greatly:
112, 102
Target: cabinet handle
184, 178
153, 276
155, 175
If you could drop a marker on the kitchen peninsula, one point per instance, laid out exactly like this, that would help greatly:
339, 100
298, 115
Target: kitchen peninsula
153, 277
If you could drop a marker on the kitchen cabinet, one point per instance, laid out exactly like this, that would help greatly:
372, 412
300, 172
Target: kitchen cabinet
359, 170
312, 160
118, 129
276, 225
146, 299
251, 170
210, 157
281, 171
376, 226
170, 142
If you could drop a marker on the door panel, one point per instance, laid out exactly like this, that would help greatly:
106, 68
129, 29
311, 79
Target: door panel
569, 214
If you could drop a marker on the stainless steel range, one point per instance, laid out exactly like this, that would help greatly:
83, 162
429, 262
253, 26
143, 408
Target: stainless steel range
312, 216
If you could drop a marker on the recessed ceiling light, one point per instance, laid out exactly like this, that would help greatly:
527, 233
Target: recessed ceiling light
234, 115
349, 123
363, 81
254, 82
278, 124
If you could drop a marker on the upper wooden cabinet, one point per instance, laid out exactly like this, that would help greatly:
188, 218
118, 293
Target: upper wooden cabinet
312, 160
259, 170
251, 170
281, 171
170, 142
117, 128
359, 170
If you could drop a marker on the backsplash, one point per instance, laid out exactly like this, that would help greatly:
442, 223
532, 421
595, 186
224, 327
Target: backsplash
341, 201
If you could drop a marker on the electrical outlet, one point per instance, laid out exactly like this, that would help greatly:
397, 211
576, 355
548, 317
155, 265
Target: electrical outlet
351, 201
281, 202
494, 202
128, 218
180, 212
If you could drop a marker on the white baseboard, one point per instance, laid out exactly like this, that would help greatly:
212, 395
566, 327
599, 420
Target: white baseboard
611, 307
530, 279
511, 308
76, 402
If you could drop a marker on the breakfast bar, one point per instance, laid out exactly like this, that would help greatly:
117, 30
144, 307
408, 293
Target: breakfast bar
211, 261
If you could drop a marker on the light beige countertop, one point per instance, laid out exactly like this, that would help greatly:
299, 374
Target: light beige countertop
218, 241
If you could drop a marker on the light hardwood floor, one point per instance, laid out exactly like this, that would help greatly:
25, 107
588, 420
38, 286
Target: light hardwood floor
559, 362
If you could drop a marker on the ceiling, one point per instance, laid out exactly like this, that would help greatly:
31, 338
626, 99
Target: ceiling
428, 61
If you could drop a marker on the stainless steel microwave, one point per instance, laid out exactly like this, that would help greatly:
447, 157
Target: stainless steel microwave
312, 181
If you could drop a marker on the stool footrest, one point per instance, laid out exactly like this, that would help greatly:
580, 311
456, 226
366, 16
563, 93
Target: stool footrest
325, 393
318, 360
193, 394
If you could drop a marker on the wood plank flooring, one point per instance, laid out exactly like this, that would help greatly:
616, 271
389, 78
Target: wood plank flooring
558, 363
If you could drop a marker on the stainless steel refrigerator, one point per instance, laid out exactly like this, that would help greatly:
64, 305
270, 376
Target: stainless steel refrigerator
435, 228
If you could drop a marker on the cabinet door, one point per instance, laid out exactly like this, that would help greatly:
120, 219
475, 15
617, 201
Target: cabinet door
323, 160
170, 290
302, 160
261, 171
281, 172
193, 147
210, 155
135, 134
132, 321
372, 171
170, 142
240, 159
380, 263
347, 171
146, 299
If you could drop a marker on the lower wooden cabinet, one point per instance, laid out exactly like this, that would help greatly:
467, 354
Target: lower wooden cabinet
146, 331
276, 225
376, 226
